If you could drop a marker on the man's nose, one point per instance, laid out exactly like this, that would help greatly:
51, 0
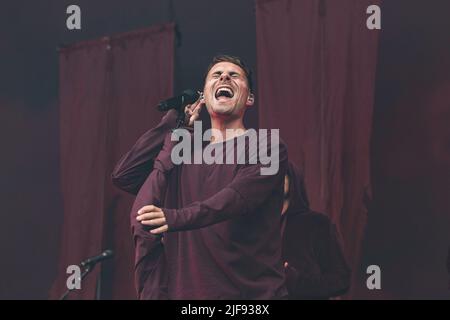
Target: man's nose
224, 77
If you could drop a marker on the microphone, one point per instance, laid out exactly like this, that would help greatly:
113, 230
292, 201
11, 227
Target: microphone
179, 102
107, 254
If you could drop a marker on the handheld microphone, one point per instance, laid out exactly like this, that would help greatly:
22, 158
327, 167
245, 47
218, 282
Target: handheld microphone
179, 102
107, 254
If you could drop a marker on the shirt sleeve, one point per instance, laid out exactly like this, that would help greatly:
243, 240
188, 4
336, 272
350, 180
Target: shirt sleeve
148, 162
134, 167
151, 277
247, 191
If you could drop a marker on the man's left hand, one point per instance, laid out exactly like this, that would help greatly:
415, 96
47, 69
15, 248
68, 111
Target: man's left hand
154, 217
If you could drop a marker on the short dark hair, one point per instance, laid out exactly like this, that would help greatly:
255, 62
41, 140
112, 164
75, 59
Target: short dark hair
234, 60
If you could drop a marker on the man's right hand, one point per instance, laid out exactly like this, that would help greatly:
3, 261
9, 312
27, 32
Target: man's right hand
192, 111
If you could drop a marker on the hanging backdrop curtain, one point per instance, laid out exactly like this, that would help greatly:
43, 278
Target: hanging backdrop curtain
108, 92
316, 72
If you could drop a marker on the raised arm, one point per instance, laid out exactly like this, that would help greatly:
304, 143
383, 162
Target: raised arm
150, 263
134, 167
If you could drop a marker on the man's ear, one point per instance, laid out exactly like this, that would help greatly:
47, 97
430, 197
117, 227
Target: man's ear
250, 99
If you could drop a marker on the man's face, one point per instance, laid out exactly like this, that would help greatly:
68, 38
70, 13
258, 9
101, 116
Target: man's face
226, 91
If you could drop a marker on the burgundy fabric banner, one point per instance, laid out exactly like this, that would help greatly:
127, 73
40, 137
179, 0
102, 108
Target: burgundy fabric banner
109, 89
316, 75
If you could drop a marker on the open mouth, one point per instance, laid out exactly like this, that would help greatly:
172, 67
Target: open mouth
224, 91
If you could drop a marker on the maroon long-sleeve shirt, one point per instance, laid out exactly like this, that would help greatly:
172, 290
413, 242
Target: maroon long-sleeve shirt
224, 229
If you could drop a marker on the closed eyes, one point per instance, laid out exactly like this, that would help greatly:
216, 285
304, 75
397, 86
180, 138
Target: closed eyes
217, 74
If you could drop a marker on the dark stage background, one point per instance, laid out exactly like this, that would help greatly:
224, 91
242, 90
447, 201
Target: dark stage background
408, 222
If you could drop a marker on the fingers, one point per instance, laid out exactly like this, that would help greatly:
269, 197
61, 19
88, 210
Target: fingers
195, 113
154, 222
149, 208
153, 216
197, 106
150, 215
196, 110
160, 230
189, 109
192, 111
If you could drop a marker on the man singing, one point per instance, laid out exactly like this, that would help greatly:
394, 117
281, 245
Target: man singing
207, 231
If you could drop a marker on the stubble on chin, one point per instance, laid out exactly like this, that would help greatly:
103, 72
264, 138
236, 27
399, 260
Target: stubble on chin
221, 109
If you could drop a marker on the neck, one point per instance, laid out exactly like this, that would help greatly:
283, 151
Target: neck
220, 126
